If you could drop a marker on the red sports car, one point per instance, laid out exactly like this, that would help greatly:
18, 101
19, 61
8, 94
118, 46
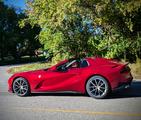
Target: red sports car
95, 76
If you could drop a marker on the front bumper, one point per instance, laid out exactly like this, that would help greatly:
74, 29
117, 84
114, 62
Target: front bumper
10, 85
10, 89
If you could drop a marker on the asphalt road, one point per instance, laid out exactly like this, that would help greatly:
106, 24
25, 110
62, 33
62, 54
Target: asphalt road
122, 105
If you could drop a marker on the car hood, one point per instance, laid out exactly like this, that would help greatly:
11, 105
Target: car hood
30, 73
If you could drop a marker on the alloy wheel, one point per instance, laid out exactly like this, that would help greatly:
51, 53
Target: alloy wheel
97, 87
21, 87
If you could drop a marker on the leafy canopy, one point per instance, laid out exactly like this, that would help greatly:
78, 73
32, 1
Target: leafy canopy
64, 26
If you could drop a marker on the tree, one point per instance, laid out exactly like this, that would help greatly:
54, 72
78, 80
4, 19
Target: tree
117, 19
11, 35
74, 37
69, 35
120, 21
8, 26
28, 41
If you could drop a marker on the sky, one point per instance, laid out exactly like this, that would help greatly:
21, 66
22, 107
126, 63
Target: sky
16, 3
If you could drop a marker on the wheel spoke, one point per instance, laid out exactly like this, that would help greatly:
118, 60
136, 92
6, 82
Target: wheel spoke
99, 82
25, 85
93, 90
98, 92
96, 82
24, 88
92, 87
92, 83
102, 84
102, 87
23, 91
16, 88
18, 91
101, 90
17, 83
22, 83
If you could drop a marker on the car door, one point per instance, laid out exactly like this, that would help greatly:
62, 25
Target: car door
61, 80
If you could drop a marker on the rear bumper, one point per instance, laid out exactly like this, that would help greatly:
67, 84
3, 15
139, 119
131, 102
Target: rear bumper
123, 85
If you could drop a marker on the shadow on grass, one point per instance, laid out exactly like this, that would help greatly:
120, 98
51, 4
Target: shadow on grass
133, 91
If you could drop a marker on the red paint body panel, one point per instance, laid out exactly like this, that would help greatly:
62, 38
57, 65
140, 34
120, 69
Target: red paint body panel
74, 79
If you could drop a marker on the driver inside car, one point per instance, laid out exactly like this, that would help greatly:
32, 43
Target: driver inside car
73, 64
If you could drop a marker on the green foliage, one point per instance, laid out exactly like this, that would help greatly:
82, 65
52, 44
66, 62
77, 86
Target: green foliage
8, 29
15, 41
65, 31
52, 42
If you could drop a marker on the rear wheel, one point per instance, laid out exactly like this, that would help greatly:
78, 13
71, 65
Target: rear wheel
21, 87
97, 87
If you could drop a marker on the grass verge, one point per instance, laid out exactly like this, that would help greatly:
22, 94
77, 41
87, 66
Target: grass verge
28, 67
136, 69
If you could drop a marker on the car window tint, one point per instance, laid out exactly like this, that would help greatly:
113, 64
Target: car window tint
83, 63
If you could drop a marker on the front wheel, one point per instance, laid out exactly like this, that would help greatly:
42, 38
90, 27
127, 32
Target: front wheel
21, 87
97, 87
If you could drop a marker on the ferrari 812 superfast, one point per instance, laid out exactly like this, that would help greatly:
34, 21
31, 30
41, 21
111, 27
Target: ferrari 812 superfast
97, 77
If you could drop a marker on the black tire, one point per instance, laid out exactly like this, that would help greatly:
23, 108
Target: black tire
97, 87
21, 87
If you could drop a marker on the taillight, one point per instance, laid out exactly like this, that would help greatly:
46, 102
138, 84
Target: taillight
125, 69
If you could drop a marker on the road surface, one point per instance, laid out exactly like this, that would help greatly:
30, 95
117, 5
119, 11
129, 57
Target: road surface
122, 105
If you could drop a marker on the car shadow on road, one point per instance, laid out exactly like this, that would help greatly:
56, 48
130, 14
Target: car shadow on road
63, 94
133, 91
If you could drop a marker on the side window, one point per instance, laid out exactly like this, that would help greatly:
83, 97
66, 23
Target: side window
78, 64
83, 63
62, 67
73, 64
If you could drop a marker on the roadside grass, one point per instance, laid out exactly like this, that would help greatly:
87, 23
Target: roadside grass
29, 67
136, 69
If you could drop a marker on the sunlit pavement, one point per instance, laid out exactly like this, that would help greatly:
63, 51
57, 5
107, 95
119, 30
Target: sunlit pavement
121, 105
